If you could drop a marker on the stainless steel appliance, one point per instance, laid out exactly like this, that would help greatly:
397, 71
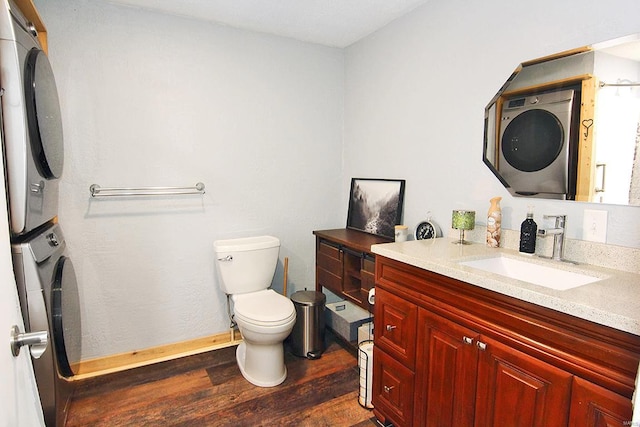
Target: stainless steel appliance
538, 145
49, 299
32, 128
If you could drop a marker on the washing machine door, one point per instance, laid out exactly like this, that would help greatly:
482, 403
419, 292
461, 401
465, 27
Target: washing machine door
65, 308
43, 115
532, 140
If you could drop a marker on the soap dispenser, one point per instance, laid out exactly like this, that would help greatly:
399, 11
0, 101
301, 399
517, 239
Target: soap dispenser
528, 231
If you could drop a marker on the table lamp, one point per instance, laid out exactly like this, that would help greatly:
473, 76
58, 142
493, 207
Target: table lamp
463, 220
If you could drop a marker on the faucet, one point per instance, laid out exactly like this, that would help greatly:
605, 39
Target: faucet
558, 235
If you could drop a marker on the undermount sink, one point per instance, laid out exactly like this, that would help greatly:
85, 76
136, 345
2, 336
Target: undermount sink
549, 277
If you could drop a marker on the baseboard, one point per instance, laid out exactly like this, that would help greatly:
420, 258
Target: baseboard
135, 359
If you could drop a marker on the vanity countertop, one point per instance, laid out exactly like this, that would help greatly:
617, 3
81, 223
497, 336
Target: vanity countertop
612, 301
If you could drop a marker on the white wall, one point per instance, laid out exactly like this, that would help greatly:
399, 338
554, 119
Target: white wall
416, 92
150, 99
155, 100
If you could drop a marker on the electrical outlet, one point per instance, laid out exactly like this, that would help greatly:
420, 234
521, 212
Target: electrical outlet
594, 226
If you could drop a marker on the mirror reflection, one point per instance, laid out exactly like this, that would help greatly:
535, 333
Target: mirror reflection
567, 126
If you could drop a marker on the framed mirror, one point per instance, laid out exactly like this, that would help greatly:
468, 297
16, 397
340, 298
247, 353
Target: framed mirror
567, 126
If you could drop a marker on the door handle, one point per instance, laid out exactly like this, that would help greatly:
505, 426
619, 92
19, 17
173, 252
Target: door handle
391, 327
37, 342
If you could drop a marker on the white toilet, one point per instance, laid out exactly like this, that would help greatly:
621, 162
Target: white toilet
265, 318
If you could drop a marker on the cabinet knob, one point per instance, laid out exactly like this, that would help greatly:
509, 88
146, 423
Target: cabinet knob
467, 340
387, 389
391, 327
482, 346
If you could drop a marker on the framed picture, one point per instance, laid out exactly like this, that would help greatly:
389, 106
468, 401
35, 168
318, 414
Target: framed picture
375, 205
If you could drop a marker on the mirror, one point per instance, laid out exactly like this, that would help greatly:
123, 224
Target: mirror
567, 126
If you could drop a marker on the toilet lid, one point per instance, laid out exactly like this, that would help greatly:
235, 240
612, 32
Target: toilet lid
263, 306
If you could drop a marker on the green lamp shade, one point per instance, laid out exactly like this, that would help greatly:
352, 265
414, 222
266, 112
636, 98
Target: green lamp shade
463, 220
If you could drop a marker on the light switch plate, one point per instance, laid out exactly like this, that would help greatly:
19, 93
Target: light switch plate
594, 226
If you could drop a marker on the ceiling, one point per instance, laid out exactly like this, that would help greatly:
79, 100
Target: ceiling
625, 47
336, 23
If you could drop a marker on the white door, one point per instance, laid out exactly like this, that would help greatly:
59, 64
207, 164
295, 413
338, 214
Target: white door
19, 401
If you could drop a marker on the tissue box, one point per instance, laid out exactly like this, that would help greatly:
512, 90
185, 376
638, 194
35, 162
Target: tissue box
344, 318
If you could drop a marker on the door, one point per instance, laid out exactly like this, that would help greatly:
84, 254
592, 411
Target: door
517, 390
43, 115
19, 401
65, 308
594, 406
533, 140
446, 371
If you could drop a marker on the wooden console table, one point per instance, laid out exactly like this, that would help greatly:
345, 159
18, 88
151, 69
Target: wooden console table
345, 264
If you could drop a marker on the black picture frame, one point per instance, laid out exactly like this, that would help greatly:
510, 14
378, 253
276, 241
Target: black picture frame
375, 205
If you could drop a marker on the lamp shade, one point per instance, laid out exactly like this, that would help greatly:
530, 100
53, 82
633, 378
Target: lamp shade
463, 220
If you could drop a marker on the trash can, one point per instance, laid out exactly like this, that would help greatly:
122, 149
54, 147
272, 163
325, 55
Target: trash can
307, 337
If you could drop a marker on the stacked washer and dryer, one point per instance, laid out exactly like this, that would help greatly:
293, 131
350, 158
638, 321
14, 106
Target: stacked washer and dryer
32, 145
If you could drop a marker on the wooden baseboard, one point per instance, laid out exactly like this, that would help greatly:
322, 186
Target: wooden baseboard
121, 362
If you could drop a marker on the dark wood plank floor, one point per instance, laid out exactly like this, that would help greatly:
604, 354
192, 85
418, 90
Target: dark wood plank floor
208, 390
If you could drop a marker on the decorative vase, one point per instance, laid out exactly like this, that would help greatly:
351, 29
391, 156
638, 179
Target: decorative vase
494, 222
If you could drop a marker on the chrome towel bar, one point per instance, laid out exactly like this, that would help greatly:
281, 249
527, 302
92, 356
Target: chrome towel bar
97, 191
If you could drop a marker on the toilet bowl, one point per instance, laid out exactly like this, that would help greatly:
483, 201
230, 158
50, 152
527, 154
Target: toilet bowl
265, 321
264, 317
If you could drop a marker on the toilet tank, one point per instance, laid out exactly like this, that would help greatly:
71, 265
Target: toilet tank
246, 264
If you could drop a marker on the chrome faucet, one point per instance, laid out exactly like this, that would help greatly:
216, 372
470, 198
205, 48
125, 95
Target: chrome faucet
558, 235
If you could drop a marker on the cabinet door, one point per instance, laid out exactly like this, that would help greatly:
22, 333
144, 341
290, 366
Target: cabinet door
395, 322
517, 390
594, 406
392, 389
446, 370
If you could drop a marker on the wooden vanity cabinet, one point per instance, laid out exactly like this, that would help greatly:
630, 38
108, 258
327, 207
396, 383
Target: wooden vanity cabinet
448, 353
345, 264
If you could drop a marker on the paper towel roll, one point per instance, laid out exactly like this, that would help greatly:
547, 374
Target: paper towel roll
372, 296
365, 362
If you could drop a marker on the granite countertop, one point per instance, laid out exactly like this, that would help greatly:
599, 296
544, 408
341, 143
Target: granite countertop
613, 301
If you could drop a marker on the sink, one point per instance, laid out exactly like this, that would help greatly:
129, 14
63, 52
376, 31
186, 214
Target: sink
541, 275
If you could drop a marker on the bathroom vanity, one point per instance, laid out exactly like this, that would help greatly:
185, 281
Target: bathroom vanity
458, 346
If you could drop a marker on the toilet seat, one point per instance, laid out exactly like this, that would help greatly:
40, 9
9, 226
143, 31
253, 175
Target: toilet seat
263, 308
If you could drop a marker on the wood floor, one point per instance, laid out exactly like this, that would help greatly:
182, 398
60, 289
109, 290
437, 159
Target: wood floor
208, 390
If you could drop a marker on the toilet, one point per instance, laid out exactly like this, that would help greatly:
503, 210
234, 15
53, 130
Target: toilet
265, 318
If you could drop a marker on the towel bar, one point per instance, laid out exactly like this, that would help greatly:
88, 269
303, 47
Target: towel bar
97, 191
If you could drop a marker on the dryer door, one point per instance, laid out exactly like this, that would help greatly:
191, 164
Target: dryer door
65, 307
43, 115
533, 140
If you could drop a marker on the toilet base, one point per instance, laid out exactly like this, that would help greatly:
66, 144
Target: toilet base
266, 360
